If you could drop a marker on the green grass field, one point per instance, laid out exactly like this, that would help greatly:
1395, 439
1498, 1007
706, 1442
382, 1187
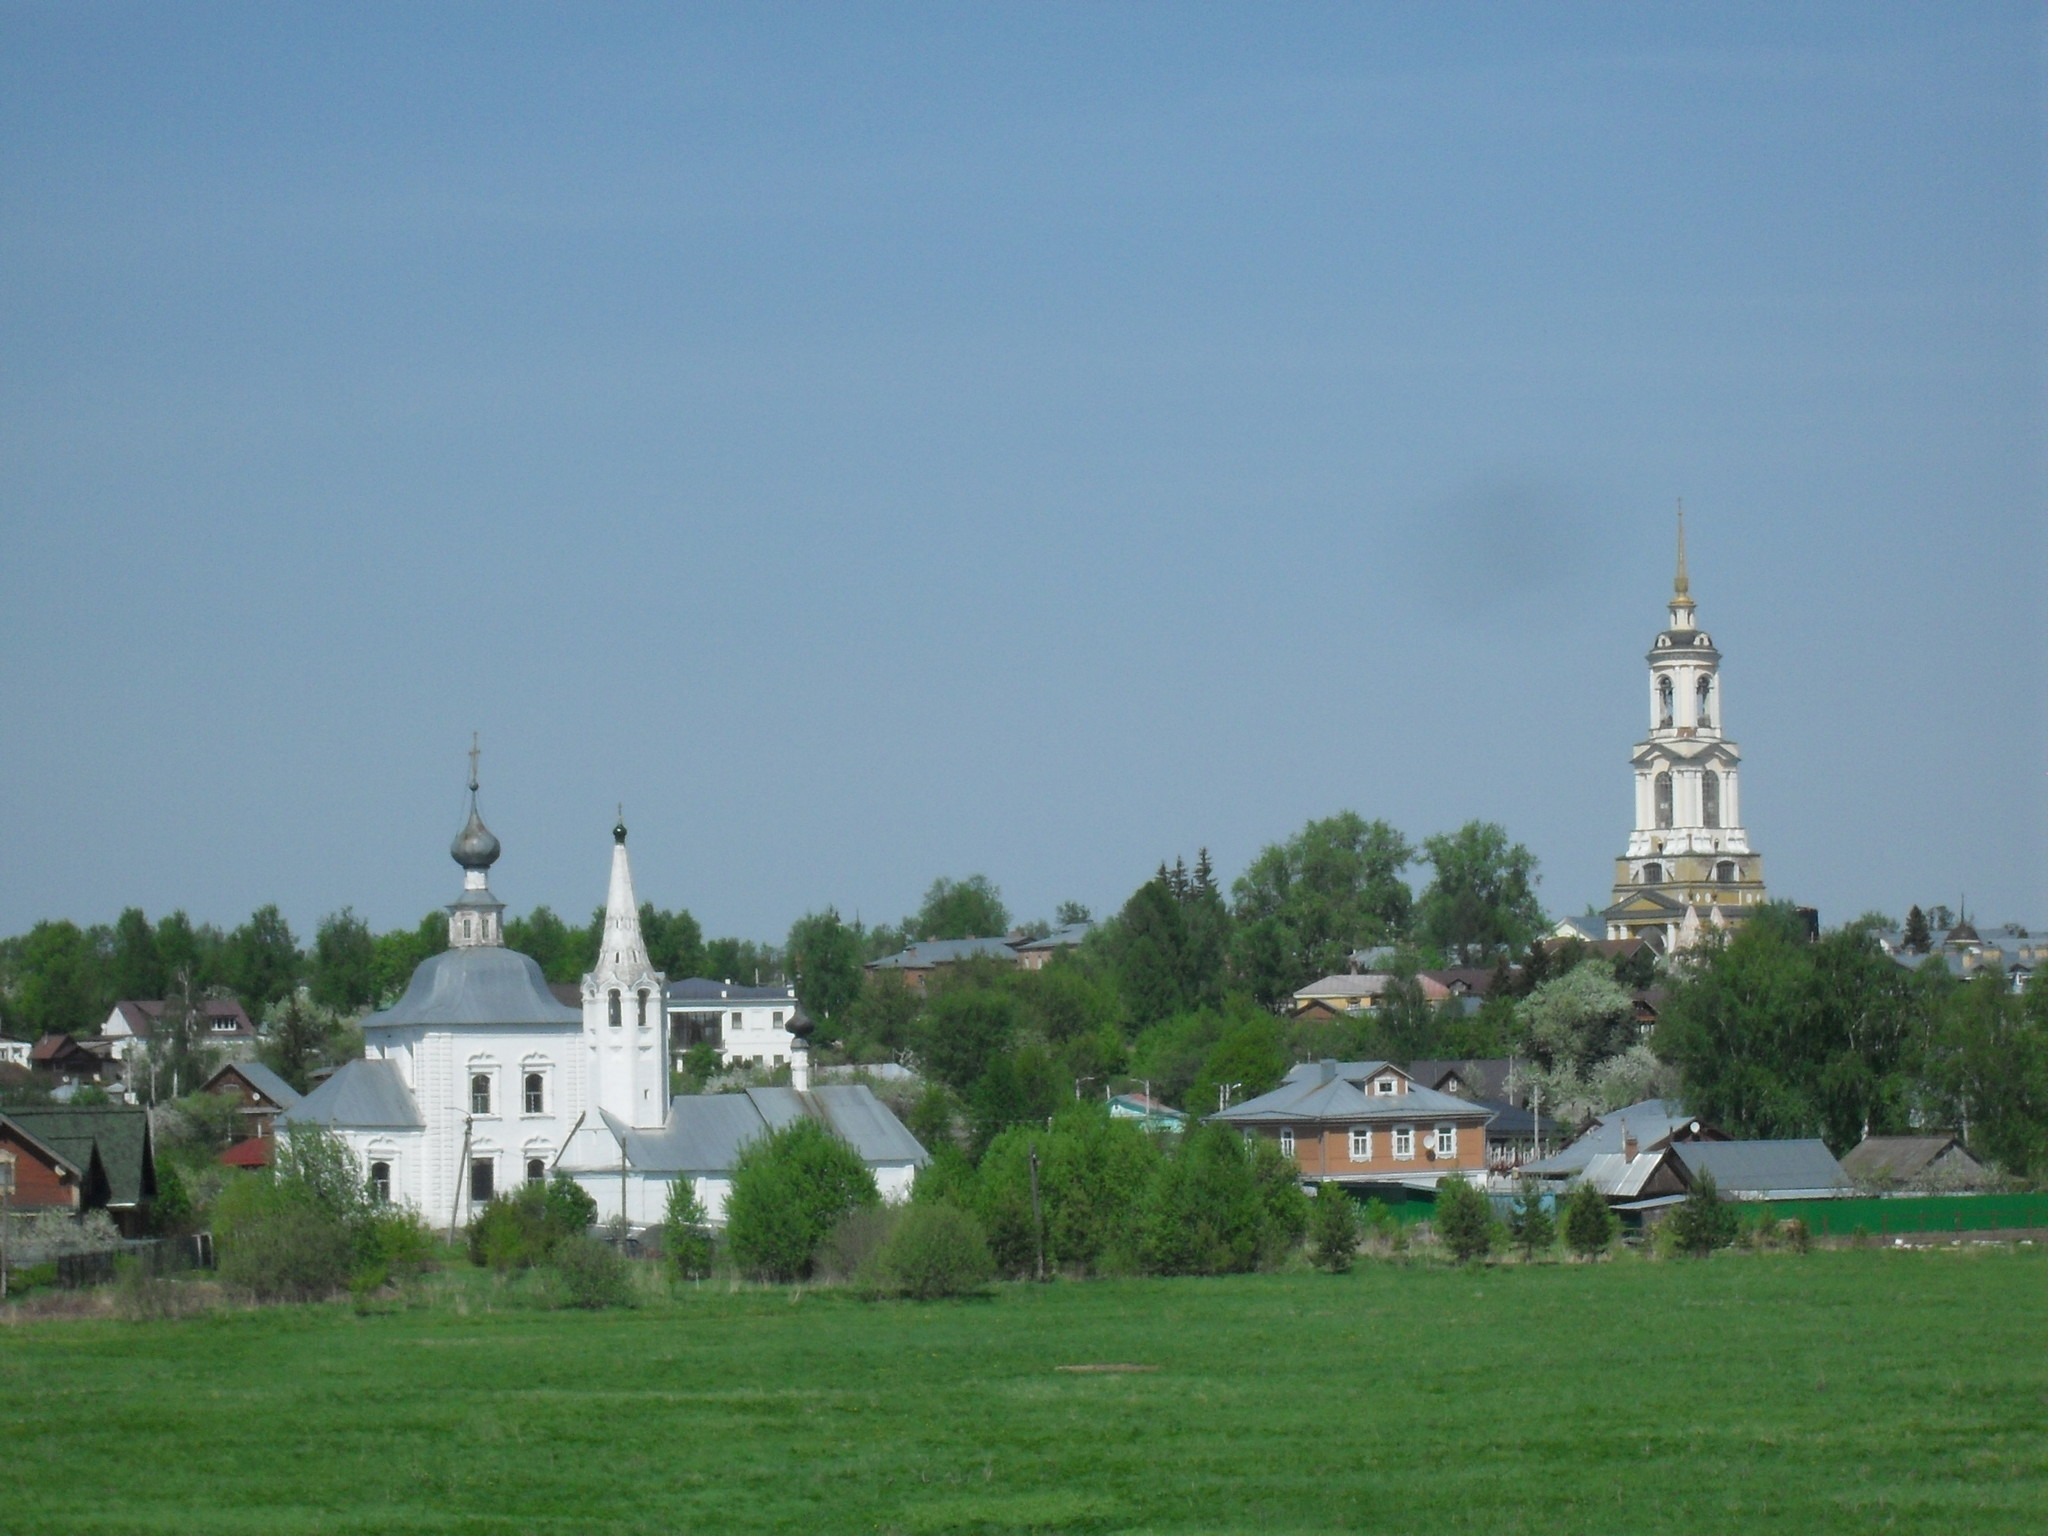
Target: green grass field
1849, 1390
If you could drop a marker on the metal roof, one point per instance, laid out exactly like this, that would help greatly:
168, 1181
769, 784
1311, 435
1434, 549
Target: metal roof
362, 1093
263, 1080
1765, 1169
929, 952
1333, 1091
1651, 1122
699, 988
1897, 1157
481, 985
706, 1132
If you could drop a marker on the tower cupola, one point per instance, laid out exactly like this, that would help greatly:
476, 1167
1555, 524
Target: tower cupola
476, 917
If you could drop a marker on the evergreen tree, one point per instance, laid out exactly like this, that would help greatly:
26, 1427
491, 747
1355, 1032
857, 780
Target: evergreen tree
686, 1231
1916, 938
134, 969
1334, 1228
1589, 1222
1464, 1220
1529, 1224
1703, 1221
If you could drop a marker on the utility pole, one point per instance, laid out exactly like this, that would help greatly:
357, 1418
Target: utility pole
1037, 1215
6, 1200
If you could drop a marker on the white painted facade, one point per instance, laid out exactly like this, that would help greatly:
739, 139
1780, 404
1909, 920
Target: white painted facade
749, 1025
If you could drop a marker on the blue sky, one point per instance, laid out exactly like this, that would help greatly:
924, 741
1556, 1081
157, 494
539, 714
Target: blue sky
878, 442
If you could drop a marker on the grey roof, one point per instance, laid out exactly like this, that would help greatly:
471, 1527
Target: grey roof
1898, 1157
264, 1081
1765, 1168
1620, 1177
1308, 1094
929, 952
116, 1134
1484, 1077
1511, 1121
699, 988
706, 1132
364, 1093
1651, 1123
483, 985
1059, 938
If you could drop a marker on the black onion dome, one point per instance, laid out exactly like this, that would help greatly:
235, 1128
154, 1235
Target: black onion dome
474, 847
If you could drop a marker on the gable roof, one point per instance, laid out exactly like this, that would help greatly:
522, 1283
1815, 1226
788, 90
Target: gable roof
1878, 1158
1652, 1122
1484, 1077
143, 1014
369, 1092
1335, 1090
1765, 1169
707, 1131
262, 1079
117, 1134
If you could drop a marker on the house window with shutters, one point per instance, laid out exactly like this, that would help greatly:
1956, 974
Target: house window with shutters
1404, 1142
1287, 1140
1361, 1145
1447, 1141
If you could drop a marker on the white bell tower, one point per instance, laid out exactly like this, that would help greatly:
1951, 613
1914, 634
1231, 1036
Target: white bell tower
625, 1026
1689, 864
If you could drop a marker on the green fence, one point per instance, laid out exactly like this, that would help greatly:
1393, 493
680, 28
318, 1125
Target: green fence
1916, 1213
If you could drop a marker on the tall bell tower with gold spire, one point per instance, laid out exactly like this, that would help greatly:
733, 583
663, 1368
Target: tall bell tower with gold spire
1688, 866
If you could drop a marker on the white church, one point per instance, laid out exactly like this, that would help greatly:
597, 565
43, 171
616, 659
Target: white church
1689, 867
478, 1079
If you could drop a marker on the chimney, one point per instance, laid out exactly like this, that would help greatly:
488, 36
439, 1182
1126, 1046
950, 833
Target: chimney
800, 1066
1629, 1144
1326, 1070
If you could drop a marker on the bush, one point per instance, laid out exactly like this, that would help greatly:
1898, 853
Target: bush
789, 1190
1203, 1214
1589, 1222
275, 1243
1094, 1173
686, 1231
396, 1245
1703, 1221
1464, 1220
520, 1229
934, 1251
593, 1275
1334, 1225
1529, 1224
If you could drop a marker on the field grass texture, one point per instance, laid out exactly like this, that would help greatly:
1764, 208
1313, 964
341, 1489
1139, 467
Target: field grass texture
1844, 1390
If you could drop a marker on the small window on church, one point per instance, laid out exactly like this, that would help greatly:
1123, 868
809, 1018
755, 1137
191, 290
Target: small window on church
480, 1094
1725, 871
642, 1018
468, 926
1664, 797
1653, 874
1706, 703
536, 1171
1664, 702
380, 1182
533, 1093
1710, 798
482, 1180
616, 1019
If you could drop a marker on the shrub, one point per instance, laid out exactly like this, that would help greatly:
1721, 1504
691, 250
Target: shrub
1334, 1225
1203, 1213
518, 1230
1703, 1220
1589, 1222
789, 1189
593, 1275
1529, 1224
850, 1249
396, 1245
1796, 1235
934, 1251
1283, 1203
275, 1243
686, 1231
1464, 1220
1093, 1177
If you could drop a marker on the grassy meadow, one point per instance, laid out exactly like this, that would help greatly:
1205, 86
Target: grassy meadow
1859, 1389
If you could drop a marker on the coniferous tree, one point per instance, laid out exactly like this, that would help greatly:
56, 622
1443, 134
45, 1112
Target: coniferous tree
1529, 1224
1589, 1222
1333, 1228
1464, 1220
1916, 938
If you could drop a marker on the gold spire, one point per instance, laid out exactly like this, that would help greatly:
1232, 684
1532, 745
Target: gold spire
1681, 587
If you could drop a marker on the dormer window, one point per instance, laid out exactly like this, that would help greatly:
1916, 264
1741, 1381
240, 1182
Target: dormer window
1385, 1085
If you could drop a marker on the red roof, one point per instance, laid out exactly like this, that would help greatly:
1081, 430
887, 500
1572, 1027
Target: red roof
255, 1152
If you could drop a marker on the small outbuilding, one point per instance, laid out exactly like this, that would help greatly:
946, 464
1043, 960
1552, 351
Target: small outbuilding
109, 1150
1939, 1161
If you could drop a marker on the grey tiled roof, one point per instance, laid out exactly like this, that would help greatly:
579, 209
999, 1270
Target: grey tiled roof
361, 1093
482, 985
706, 1132
1765, 1167
1308, 1095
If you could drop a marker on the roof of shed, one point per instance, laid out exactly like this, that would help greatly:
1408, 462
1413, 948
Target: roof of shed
1651, 1122
1897, 1157
1764, 1167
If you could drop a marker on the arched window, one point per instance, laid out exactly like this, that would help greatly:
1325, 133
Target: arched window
380, 1182
1664, 702
1663, 785
641, 1018
1653, 874
615, 1008
480, 1094
1710, 797
468, 926
533, 1093
483, 1181
1706, 712
1725, 871
536, 1170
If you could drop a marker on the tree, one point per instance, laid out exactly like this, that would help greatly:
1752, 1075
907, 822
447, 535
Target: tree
789, 1189
675, 942
1703, 1221
1149, 944
1334, 1228
960, 909
1589, 1222
261, 962
1991, 1069
824, 960
56, 982
1579, 1018
1203, 1214
1069, 914
741, 960
194, 950
343, 971
298, 1041
134, 969
1252, 1054
962, 1029
1916, 939
686, 1231
1481, 900
1464, 1220
1303, 905
1093, 1176
180, 1056
563, 953
936, 1249
1529, 1224
397, 954
881, 1022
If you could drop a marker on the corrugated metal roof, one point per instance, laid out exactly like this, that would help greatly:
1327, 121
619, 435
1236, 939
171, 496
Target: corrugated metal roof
929, 952
480, 985
1765, 1168
1307, 1095
264, 1081
1651, 1122
362, 1093
706, 1132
